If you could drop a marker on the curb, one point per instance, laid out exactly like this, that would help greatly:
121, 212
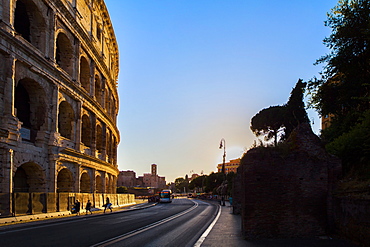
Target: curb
40, 217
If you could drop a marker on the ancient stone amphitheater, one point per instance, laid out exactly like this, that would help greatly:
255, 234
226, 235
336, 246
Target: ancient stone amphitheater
59, 102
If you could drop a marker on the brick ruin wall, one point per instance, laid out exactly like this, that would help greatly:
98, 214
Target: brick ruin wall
352, 218
286, 192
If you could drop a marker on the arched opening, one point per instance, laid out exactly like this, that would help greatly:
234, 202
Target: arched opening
20, 181
29, 103
64, 181
99, 138
30, 24
85, 74
109, 146
114, 184
85, 183
29, 177
99, 184
21, 21
64, 53
111, 185
114, 150
66, 118
86, 131
107, 185
98, 89
108, 101
22, 105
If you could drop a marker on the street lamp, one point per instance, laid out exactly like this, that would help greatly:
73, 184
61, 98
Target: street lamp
223, 145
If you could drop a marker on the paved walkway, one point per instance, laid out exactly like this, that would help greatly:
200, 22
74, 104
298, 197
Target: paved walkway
64, 214
227, 233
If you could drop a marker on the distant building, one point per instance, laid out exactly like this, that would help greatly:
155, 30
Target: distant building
230, 166
326, 121
194, 176
128, 179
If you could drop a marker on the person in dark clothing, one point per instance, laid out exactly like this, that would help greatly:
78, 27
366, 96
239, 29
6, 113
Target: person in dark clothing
88, 207
77, 207
107, 205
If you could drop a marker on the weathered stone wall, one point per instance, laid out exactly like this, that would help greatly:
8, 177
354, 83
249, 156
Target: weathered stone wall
352, 218
284, 192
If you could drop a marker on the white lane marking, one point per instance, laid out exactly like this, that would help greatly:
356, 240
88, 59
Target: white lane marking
143, 229
206, 232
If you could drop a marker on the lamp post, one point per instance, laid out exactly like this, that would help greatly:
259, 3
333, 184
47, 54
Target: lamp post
223, 145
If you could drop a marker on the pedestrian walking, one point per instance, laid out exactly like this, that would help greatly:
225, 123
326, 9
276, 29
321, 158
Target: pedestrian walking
107, 205
77, 207
88, 207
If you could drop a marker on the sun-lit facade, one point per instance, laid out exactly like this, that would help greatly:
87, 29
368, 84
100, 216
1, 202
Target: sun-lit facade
230, 166
58, 97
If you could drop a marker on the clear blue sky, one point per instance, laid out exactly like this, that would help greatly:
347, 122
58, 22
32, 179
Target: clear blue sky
195, 71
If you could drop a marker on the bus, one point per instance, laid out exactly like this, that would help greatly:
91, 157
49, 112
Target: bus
165, 196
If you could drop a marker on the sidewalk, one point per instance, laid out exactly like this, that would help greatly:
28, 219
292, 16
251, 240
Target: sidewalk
227, 232
64, 214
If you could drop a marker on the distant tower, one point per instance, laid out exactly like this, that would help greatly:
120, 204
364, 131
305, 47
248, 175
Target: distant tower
154, 170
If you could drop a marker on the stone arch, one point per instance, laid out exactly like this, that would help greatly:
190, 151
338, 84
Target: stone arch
29, 103
64, 181
66, 117
98, 89
99, 184
85, 183
29, 177
86, 132
99, 138
64, 53
30, 23
85, 74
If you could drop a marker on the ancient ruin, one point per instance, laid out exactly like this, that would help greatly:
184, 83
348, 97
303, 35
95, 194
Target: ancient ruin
286, 192
58, 98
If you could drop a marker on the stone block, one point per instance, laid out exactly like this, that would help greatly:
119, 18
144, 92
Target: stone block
22, 204
5, 199
38, 203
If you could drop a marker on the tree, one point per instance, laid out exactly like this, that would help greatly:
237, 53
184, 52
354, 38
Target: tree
122, 190
269, 122
343, 89
198, 183
295, 109
274, 120
213, 181
181, 184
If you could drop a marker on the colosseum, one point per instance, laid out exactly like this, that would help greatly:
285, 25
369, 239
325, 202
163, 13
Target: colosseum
58, 95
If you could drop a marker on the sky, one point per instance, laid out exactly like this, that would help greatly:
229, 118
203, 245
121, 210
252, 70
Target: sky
195, 71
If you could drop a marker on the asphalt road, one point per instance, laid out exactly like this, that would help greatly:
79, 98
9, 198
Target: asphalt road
179, 223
